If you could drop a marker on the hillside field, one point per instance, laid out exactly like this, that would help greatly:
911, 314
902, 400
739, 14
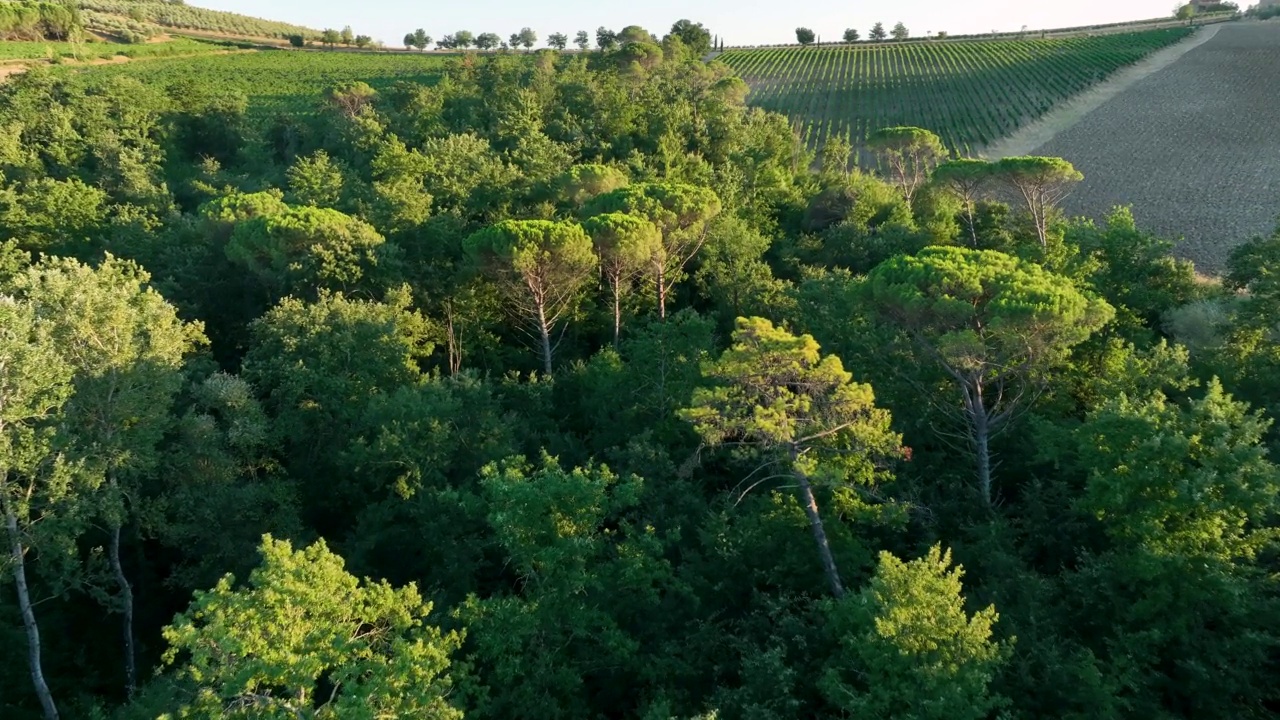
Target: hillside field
281, 80
971, 93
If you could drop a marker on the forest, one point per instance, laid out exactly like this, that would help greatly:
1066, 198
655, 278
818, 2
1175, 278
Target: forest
570, 386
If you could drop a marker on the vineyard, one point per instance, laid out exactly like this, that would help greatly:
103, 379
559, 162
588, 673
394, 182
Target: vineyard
12, 50
970, 93
278, 81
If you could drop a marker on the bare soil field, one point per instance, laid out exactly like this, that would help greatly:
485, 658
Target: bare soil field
1194, 147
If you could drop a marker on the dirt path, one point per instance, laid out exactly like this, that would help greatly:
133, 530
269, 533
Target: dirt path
1026, 140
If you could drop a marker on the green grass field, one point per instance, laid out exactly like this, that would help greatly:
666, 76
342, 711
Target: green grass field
281, 80
44, 50
971, 93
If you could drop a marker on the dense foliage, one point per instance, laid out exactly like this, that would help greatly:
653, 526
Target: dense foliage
559, 386
969, 93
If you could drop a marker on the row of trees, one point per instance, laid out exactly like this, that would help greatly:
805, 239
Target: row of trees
806, 36
332, 38
694, 35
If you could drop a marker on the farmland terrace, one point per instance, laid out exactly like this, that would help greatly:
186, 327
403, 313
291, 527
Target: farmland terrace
1194, 147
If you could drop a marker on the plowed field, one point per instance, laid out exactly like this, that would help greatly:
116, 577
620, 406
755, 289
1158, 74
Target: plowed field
1194, 148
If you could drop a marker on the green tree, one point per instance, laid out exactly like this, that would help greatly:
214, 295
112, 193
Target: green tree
582, 183
1042, 182
304, 248
681, 212
488, 41
589, 575
317, 364
408, 41
315, 180
805, 36
910, 155
582, 40
298, 41
1178, 606
540, 267
34, 383
559, 41
363, 41
606, 39
330, 37
347, 36
994, 324
851, 35
305, 639
528, 38
878, 33
965, 179
909, 651
463, 39
625, 245
773, 391
421, 39
694, 36
126, 347
900, 32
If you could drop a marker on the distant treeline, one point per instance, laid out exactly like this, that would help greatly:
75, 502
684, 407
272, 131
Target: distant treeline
37, 21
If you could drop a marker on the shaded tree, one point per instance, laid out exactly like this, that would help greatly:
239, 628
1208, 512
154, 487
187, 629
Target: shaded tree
681, 212
878, 33
582, 40
606, 39
34, 383
900, 32
126, 347
488, 41
1042, 182
559, 41
994, 324
805, 36
540, 267
625, 245
965, 180
851, 35
694, 36
910, 153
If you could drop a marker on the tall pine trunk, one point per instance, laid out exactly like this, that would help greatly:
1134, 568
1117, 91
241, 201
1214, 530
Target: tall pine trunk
810, 504
18, 558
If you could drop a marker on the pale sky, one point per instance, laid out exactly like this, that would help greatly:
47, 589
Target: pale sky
750, 22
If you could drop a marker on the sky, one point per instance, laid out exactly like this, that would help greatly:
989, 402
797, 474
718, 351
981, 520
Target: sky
740, 22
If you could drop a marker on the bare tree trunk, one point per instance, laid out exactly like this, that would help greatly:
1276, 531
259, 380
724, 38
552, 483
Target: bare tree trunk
28, 614
662, 295
617, 312
973, 224
126, 598
545, 332
981, 439
819, 533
